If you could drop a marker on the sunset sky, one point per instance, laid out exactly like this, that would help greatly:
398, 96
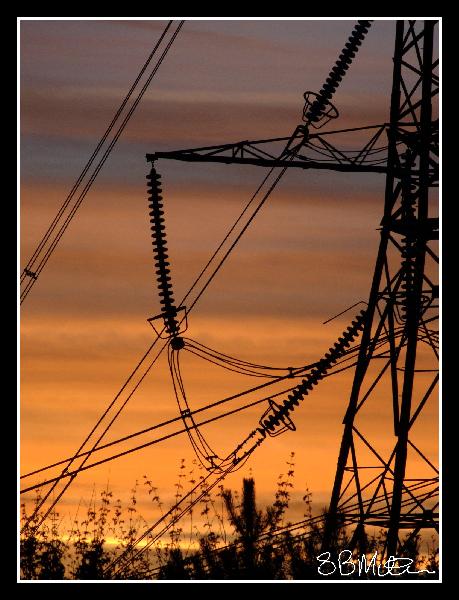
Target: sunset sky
308, 255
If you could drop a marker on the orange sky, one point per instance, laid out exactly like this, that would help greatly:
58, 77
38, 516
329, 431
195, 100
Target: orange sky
309, 254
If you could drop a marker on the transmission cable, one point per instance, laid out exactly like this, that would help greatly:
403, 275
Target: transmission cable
45, 238
34, 275
71, 474
296, 373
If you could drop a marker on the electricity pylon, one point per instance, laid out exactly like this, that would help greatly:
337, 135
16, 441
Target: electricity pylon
393, 387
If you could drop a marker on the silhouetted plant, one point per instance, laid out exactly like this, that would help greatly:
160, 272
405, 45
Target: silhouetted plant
240, 540
41, 551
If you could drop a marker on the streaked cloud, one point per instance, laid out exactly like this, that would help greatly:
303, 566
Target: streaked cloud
308, 255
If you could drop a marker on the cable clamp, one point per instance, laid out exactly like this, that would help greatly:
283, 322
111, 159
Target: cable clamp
165, 315
31, 274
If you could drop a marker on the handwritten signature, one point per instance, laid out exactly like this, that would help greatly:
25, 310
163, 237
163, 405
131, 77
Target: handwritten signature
347, 565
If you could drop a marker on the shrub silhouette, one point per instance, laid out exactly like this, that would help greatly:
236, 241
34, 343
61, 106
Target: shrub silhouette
250, 542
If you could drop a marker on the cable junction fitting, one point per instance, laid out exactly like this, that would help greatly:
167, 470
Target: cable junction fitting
169, 312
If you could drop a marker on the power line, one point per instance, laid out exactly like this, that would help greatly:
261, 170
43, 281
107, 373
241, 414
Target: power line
163, 424
238, 237
43, 500
298, 372
48, 252
72, 474
80, 178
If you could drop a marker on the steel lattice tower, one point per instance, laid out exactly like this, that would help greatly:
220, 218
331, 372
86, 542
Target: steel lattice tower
402, 305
